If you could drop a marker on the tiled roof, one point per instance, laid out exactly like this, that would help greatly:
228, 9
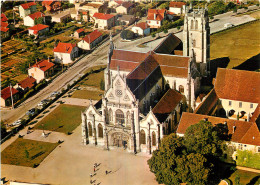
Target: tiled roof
126, 60
38, 27
92, 36
28, 82
238, 85
176, 4
80, 30
178, 52
103, 16
140, 73
36, 15
119, 2
242, 132
3, 29
44, 65
159, 14
252, 136
167, 104
142, 25
208, 103
126, 18
47, 2
6, 93
256, 114
168, 45
94, 5
64, 47
28, 5
3, 24
127, 4
3, 18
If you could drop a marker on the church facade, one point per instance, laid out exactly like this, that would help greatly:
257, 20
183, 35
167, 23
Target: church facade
145, 94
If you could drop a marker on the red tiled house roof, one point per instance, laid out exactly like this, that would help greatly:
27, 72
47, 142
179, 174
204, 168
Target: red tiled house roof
92, 36
238, 85
28, 82
36, 15
64, 47
167, 104
127, 4
44, 65
142, 25
176, 4
45, 2
154, 14
6, 93
3, 18
240, 131
38, 27
80, 30
103, 16
28, 5
3, 29
4, 24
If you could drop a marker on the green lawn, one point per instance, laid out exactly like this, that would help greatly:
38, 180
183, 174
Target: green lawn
64, 118
86, 94
245, 177
239, 43
248, 159
24, 152
93, 79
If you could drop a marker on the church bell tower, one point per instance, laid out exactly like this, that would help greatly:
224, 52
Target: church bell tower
196, 37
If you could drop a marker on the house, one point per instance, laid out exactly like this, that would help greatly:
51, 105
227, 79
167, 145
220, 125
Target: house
124, 8
79, 33
7, 95
65, 53
29, 20
104, 21
141, 29
155, 17
38, 29
3, 18
91, 40
26, 84
80, 14
114, 3
51, 5
41, 70
61, 17
91, 8
127, 19
5, 32
177, 8
27, 9
243, 135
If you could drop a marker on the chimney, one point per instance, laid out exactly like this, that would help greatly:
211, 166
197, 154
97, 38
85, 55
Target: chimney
234, 128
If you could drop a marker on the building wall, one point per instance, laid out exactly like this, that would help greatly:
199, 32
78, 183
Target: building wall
138, 30
121, 10
86, 46
67, 58
36, 73
28, 21
175, 10
154, 23
105, 23
229, 105
23, 13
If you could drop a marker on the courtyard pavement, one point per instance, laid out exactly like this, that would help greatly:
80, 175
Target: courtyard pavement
72, 162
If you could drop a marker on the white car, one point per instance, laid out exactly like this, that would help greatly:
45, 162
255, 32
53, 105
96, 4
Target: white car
228, 25
18, 122
54, 93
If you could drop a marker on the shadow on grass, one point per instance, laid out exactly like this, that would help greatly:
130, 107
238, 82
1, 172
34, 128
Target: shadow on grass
254, 180
251, 64
52, 106
46, 112
217, 63
39, 117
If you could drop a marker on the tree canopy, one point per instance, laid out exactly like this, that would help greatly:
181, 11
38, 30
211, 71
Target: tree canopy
190, 159
127, 34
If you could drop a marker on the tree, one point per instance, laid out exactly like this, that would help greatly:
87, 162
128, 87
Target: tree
127, 34
189, 159
3, 130
237, 180
102, 84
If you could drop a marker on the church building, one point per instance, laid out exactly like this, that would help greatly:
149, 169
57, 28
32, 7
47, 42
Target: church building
146, 92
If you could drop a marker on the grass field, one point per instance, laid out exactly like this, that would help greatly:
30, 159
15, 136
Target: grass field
93, 79
245, 177
64, 118
24, 152
239, 43
87, 94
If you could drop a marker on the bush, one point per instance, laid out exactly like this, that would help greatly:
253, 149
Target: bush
153, 34
127, 34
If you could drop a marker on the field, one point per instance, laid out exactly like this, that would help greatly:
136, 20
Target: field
245, 177
24, 152
64, 118
87, 94
239, 44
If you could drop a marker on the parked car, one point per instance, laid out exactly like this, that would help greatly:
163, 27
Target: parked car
43, 102
228, 25
18, 122
30, 112
54, 93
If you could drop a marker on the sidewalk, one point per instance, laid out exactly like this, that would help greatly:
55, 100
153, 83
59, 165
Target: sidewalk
248, 169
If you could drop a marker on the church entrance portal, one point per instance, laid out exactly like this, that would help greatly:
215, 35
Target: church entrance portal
119, 139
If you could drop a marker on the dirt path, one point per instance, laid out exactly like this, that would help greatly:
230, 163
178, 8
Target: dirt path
248, 169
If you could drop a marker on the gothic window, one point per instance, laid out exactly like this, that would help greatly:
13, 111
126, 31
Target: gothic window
100, 130
153, 139
128, 118
89, 129
110, 113
181, 89
120, 118
191, 25
142, 137
196, 24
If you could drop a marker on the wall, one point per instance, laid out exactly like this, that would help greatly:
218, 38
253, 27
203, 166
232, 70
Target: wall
36, 73
154, 24
175, 10
121, 10
28, 21
138, 30
66, 58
